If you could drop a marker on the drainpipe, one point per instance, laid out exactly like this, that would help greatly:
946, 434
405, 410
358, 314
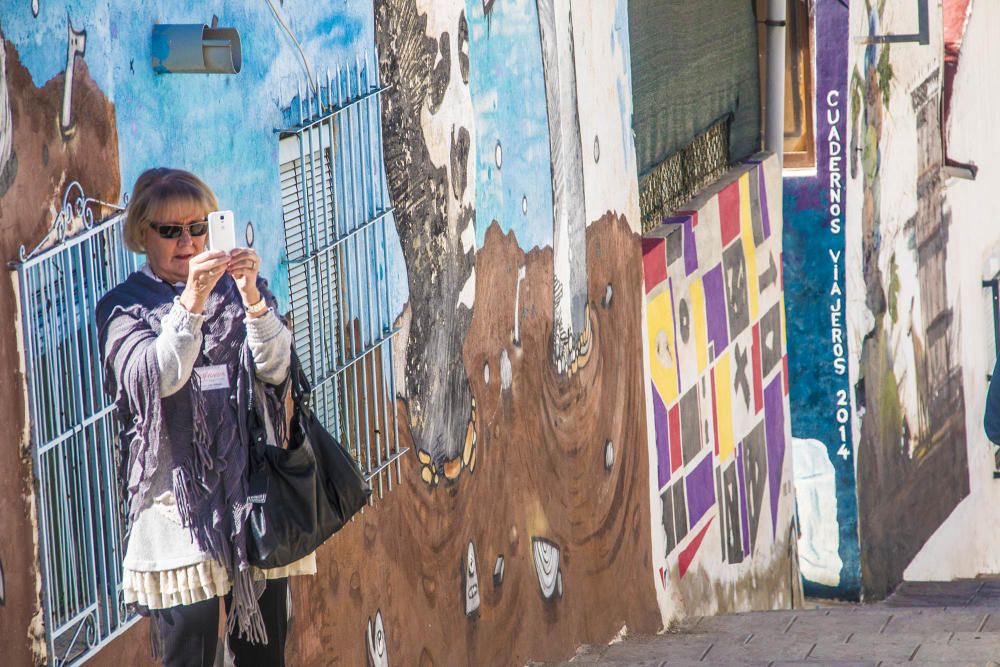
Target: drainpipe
774, 124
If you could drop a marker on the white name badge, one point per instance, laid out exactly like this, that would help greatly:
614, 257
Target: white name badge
213, 377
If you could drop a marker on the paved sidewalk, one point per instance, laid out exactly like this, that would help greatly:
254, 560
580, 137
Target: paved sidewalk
955, 623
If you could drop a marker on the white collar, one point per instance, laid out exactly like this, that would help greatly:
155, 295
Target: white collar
149, 272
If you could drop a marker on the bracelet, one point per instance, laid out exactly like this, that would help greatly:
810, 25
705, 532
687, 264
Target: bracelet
256, 309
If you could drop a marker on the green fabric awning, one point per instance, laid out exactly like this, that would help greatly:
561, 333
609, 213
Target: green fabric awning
694, 62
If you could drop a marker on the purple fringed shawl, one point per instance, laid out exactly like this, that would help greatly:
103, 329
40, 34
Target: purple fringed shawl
200, 437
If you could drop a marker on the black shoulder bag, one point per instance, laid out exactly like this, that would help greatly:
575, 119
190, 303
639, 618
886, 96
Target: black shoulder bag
301, 495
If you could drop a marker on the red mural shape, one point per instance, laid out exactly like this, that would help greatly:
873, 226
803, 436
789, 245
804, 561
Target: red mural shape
689, 552
654, 262
729, 212
784, 376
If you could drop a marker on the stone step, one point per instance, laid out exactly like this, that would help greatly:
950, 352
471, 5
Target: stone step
977, 648
840, 623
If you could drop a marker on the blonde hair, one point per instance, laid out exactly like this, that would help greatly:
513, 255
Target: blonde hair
153, 191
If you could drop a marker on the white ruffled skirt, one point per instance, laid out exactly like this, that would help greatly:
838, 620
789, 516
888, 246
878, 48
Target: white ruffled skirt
194, 583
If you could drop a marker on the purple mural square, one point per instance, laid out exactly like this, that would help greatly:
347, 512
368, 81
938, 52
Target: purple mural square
700, 490
744, 516
715, 305
690, 249
765, 217
662, 427
774, 427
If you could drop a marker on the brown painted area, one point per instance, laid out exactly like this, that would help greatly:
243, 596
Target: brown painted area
45, 163
538, 472
131, 649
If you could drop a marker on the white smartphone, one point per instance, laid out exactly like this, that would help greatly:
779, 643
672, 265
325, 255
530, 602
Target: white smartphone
221, 230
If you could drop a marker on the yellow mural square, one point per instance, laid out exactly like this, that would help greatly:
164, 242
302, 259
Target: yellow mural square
699, 323
662, 348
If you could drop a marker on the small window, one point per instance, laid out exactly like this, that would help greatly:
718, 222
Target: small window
800, 142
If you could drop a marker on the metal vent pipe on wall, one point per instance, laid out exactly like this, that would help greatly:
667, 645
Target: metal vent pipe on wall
774, 123
196, 48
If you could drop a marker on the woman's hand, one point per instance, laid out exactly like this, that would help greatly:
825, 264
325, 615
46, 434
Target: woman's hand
204, 271
244, 265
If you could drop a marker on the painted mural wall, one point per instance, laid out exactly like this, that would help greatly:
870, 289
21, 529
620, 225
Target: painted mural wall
522, 526
973, 246
912, 460
725, 535
916, 321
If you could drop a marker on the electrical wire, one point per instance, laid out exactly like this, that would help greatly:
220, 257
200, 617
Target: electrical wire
305, 62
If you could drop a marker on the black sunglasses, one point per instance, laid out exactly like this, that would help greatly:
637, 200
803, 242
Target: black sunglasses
172, 230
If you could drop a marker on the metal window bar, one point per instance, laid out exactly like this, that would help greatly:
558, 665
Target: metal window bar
921, 36
335, 207
73, 429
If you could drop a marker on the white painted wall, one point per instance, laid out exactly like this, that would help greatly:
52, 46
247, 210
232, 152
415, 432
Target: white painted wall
968, 543
911, 64
608, 145
816, 503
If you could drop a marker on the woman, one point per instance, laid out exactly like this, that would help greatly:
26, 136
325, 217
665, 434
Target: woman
182, 340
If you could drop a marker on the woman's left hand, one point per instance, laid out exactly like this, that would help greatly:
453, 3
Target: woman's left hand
244, 265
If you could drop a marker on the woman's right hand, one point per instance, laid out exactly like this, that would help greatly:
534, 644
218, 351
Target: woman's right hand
204, 271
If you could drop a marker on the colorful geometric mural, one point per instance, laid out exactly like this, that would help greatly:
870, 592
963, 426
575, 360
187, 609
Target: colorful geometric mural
715, 325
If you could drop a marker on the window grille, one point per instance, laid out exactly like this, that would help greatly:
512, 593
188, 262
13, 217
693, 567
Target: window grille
73, 428
335, 208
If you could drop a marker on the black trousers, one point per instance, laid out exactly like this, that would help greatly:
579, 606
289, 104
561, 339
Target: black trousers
189, 634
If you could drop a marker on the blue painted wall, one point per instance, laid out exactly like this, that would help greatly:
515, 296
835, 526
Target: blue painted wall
814, 292
508, 92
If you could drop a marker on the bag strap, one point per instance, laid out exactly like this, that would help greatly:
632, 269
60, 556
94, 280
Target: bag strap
255, 417
301, 388
301, 397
